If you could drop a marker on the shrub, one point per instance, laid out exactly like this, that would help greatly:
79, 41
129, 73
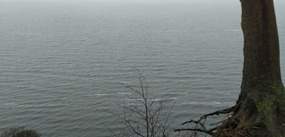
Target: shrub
19, 132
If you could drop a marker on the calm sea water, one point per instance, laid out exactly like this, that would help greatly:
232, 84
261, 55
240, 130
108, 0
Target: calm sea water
61, 61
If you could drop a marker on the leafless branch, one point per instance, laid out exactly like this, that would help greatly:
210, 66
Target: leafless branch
152, 119
200, 126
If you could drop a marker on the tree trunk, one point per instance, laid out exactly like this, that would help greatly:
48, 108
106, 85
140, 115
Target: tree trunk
261, 104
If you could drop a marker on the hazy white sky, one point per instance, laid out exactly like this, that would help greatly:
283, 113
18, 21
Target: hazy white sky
143, 1
131, 0
278, 3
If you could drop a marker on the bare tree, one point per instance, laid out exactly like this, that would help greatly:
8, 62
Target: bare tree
149, 117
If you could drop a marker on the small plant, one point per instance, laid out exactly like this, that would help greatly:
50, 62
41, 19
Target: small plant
148, 118
19, 132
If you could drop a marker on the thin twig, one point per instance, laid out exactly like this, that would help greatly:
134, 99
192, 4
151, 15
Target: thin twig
194, 129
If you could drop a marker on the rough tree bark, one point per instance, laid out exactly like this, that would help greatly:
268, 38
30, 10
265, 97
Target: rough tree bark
260, 109
262, 98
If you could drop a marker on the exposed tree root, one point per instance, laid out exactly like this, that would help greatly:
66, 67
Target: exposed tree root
210, 132
200, 124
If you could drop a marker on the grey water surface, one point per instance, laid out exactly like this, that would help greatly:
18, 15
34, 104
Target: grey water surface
61, 61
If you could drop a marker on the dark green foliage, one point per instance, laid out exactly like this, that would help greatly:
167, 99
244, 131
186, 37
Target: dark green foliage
19, 132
